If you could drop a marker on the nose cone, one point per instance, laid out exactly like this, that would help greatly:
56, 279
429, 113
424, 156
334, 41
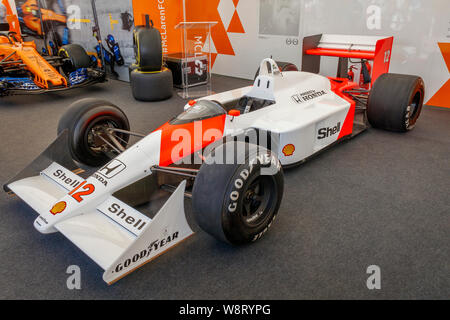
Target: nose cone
41, 224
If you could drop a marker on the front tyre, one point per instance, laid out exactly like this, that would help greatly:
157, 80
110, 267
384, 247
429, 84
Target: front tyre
236, 203
395, 102
75, 57
86, 121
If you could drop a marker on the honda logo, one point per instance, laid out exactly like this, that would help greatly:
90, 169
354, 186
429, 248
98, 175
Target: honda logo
112, 169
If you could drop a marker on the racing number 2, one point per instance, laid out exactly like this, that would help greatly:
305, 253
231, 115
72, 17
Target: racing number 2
387, 55
87, 190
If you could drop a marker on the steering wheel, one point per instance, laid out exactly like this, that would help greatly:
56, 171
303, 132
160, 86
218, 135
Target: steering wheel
12, 34
245, 104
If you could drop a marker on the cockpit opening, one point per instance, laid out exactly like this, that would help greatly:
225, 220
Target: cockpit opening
200, 110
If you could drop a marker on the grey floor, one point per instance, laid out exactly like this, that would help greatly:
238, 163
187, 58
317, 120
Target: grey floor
379, 199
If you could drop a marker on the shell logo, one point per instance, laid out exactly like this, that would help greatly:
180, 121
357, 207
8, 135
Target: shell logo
58, 208
288, 150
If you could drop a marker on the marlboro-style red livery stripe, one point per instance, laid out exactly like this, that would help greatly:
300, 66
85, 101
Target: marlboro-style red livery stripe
179, 141
338, 85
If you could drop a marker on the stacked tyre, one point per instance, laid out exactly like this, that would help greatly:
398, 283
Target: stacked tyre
150, 80
151, 85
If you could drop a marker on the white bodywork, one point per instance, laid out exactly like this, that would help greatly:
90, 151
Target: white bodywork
118, 241
118, 237
297, 123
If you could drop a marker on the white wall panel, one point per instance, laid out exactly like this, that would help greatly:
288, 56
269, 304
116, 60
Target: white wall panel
417, 27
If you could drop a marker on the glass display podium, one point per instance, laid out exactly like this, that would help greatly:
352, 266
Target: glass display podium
193, 64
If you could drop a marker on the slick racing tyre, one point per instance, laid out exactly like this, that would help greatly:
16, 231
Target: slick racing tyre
151, 86
148, 49
395, 102
131, 68
85, 121
237, 203
284, 66
76, 57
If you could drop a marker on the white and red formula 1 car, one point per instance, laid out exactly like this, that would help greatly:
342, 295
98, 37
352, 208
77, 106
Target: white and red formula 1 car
226, 151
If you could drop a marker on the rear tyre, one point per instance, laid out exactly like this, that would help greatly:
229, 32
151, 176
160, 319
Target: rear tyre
76, 57
151, 86
284, 66
82, 120
235, 203
395, 102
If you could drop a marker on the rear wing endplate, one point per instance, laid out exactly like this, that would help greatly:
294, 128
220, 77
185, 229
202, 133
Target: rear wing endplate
373, 48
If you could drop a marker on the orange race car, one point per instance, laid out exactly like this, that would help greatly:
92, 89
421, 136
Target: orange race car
23, 70
34, 17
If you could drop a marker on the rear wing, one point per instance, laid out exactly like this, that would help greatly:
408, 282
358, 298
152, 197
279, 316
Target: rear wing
376, 49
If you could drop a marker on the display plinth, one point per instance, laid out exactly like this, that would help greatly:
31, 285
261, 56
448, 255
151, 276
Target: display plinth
194, 62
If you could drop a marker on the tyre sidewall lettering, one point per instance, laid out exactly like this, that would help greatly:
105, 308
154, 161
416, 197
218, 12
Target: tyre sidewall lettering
234, 198
409, 117
244, 174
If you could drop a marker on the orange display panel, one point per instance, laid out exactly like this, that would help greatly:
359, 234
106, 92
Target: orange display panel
442, 97
165, 14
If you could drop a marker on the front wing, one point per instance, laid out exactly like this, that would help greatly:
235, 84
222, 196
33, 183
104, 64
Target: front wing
24, 85
116, 236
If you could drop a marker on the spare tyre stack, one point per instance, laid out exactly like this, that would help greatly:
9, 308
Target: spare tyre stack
150, 80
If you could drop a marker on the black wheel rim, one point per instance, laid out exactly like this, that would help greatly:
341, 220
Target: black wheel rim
94, 143
413, 109
258, 201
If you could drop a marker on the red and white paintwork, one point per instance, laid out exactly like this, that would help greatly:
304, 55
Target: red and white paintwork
376, 49
81, 211
294, 123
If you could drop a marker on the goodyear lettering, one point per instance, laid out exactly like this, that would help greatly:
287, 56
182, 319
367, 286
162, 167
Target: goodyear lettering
264, 159
259, 235
153, 247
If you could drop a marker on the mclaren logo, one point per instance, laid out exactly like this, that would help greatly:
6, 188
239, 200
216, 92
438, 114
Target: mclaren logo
112, 169
329, 131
